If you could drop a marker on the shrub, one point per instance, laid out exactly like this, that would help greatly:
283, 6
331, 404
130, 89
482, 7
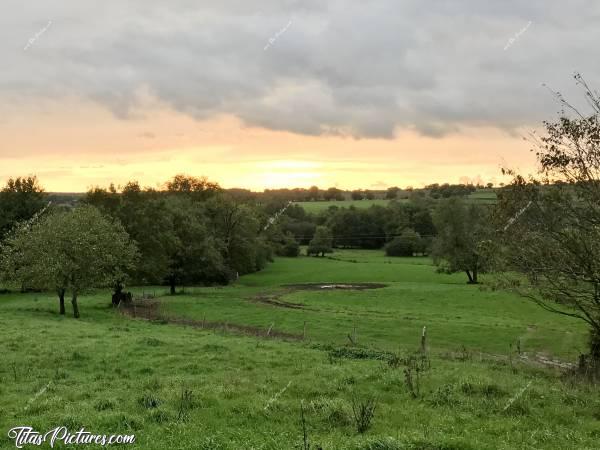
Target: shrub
364, 412
406, 244
289, 247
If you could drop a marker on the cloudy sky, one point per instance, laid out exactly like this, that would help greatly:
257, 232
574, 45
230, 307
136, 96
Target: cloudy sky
266, 93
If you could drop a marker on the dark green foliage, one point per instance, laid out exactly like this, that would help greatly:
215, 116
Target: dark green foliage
289, 247
188, 233
407, 244
20, 199
321, 243
464, 230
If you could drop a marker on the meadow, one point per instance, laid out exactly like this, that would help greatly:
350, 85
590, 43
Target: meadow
237, 367
482, 196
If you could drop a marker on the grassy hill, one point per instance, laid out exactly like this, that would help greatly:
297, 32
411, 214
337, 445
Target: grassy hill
203, 374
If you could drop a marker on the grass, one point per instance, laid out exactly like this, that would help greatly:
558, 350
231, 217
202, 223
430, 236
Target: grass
317, 207
183, 387
485, 196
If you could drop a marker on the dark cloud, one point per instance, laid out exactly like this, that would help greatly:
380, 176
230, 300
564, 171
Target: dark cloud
361, 68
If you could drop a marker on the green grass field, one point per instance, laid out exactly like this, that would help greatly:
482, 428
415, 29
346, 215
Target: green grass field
116, 374
317, 207
485, 196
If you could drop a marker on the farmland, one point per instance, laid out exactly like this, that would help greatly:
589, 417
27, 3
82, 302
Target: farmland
482, 196
229, 367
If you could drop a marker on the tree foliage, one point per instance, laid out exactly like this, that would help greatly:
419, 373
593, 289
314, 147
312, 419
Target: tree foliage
68, 252
20, 199
408, 243
321, 243
463, 234
550, 224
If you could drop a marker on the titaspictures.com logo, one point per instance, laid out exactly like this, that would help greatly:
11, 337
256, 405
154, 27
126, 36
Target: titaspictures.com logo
23, 436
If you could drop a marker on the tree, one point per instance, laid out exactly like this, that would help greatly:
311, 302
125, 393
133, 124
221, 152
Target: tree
333, 193
407, 244
289, 247
321, 242
237, 226
357, 195
198, 188
549, 225
20, 199
463, 232
68, 252
313, 193
369, 195
392, 193
196, 255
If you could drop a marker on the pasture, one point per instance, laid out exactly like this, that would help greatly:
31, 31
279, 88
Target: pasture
483, 196
318, 206
229, 367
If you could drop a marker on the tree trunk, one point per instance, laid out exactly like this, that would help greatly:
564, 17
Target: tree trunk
470, 277
475, 276
75, 306
595, 346
61, 298
172, 281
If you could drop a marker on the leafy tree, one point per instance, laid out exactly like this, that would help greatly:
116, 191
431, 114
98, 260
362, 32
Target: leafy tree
68, 252
289, 246
195, 255
303, 230
357, 195
392, 193
407, 244
321, 243
550, 224
463, 232
237, 226
20, 199
313, 193
369, 195
198, 188
333, 193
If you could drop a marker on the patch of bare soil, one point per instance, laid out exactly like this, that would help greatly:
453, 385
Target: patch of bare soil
332, 286
275, 300
149, 310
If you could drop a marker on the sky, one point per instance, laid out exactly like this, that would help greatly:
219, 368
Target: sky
289, 93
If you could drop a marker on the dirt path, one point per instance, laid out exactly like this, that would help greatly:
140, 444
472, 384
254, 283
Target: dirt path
150, 310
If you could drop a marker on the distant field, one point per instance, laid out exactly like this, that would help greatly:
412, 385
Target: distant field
116, 374
485, 196
316, 207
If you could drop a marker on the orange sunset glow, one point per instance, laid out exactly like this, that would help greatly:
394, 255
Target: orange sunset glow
270, 96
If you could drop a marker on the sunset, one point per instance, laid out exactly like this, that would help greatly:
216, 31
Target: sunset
134, 91
300, 224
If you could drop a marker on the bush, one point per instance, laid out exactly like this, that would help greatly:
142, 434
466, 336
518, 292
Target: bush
289, 247
406, 244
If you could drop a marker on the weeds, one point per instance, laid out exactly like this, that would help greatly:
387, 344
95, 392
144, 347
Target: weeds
149, 401
363, 412
414, 366
186, 402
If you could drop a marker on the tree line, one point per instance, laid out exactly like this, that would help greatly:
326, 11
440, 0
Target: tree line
189, 232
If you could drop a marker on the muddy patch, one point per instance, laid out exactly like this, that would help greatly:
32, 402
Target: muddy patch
276, 301
150, 311
335, 286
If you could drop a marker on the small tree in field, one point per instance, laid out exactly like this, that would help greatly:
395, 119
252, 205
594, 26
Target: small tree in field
321, 243
68, 252
463, 231
550, 225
